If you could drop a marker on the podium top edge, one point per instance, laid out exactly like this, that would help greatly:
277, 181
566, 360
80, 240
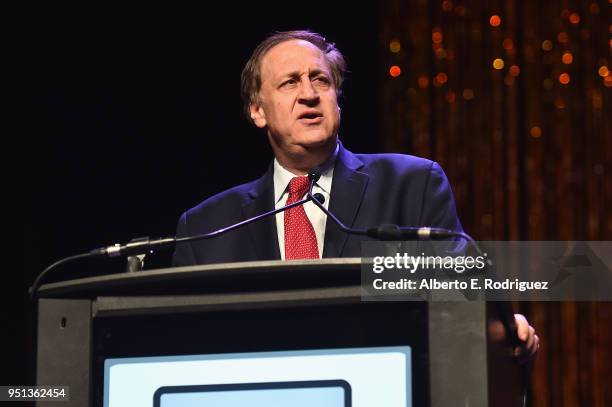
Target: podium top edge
218, 270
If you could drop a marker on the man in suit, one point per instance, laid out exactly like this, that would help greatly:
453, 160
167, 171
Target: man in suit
290, 88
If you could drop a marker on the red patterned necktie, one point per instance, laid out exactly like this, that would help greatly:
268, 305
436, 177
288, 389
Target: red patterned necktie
300, 238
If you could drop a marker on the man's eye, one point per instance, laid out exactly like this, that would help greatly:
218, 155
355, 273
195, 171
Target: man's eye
322, 79
288, 83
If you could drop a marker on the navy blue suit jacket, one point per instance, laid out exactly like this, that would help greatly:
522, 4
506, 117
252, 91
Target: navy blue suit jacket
367, 190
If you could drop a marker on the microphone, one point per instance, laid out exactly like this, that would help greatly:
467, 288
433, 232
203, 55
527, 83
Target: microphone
314, 175
145, 244
394, 232
387, 231
142, 245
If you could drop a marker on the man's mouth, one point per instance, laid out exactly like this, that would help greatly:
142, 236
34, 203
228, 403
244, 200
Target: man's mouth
310, 117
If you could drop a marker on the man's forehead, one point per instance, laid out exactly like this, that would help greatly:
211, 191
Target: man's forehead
290, 55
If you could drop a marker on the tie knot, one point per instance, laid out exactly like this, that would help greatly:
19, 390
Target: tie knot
298, 187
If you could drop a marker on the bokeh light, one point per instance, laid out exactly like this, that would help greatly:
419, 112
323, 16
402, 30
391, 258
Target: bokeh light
395, 71
495, 20
597, 99
535, 132
574, 18
559, 103
564, 78
562, 37
498, 63
567, 58
547, 45
423, 81
440, 79
450, 96
440, 53
515, 70
436, 36
395, 46
468, 94
603, 71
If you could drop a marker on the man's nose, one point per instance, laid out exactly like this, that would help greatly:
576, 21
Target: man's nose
308, 93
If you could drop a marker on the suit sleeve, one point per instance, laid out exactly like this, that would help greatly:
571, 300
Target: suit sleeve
438, 208
183, 253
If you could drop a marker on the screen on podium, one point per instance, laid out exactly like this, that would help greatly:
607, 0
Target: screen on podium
323, 393
343, 377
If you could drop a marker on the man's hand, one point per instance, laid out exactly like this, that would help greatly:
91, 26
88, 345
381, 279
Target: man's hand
528, 338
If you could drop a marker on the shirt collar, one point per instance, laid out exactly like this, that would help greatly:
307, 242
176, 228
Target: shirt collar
282, 176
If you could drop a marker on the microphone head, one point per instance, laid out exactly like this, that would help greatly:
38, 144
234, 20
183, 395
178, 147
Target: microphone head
314, 174
319, 197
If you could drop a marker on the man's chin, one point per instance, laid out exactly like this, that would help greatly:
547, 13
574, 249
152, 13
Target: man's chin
316, 142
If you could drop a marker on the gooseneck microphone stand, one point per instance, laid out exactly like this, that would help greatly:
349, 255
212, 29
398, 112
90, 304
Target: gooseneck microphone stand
145, 245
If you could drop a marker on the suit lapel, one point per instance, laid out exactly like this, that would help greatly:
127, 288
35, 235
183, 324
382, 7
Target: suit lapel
263, 232
348, 187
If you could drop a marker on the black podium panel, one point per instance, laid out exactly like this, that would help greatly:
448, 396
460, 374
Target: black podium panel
267, 307
304, 327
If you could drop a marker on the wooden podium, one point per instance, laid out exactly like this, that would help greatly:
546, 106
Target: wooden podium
461, 350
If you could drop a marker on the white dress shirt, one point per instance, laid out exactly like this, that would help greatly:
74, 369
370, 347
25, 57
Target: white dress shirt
316, 216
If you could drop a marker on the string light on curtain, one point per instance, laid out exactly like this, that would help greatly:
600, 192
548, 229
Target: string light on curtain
489, 79
513, 98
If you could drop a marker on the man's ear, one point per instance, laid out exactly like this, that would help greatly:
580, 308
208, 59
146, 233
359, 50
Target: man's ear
258, 115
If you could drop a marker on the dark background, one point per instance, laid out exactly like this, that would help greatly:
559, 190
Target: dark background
127, 113
132, 114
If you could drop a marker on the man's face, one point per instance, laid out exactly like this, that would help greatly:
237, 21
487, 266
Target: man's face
297, 101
